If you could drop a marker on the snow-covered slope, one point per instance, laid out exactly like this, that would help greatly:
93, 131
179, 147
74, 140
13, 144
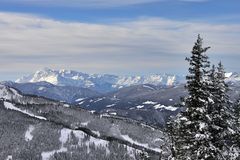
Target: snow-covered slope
67, 94
101, 83
21, 115
8, 93
233, 77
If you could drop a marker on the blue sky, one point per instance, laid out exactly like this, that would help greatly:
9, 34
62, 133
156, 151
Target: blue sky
203, 10
113, 36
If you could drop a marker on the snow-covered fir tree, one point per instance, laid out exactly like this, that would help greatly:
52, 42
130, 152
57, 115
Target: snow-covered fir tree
237, 121
221, 115
189, 131
202, 131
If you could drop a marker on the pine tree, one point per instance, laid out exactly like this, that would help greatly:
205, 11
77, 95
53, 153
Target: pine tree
189, 131
205, 129
237, 121
221, 114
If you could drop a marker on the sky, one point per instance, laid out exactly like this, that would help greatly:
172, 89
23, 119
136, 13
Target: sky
122, 37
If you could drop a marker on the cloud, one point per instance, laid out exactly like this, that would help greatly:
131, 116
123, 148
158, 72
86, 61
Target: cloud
145, 45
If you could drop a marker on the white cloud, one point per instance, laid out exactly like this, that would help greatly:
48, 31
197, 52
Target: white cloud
29, 42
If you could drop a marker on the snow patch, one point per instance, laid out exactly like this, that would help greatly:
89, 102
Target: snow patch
99, 99
12, 107
28, 134
227, 75
8, 93
92, 111
63, 139
81, 102
145, 86
41, 88
140, 106
145, 145
202, 126
170, 108
79, 99
97, 133
9, 157
110, 105
84, 123
66, 105
149, 102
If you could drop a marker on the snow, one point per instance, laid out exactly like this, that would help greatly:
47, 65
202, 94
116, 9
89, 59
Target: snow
171, 80
99, 99
129, 139
28, 134
41, 88
145, 86
92, 111
227, 75
79, 99
12, 107
96, 133
170, 99
66, 105
84, 123
200, 136
183, 119
81, 102
210, 100
170, 108
63, 139
202, 126
51, 79
110, 105
149, 102
5, 93
9, 157
158, 139
79, 79
139, 106
65, 133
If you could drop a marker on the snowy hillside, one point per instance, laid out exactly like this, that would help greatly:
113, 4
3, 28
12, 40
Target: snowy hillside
100, 83
67, 94
63, 129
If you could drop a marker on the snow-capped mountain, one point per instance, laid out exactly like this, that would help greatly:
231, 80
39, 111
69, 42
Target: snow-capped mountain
232, 77
98, 82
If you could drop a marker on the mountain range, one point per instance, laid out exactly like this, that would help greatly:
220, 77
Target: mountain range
143, 98
99, 82
54, 115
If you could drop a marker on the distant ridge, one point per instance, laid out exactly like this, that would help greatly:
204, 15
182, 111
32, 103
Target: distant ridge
98, 82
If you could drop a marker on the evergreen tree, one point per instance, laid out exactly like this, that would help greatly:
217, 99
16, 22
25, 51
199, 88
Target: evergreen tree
221, 114
205, 129
189, 131
237, 121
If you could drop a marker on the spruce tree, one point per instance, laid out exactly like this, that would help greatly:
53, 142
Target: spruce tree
221, 114
237, 121
189, 131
